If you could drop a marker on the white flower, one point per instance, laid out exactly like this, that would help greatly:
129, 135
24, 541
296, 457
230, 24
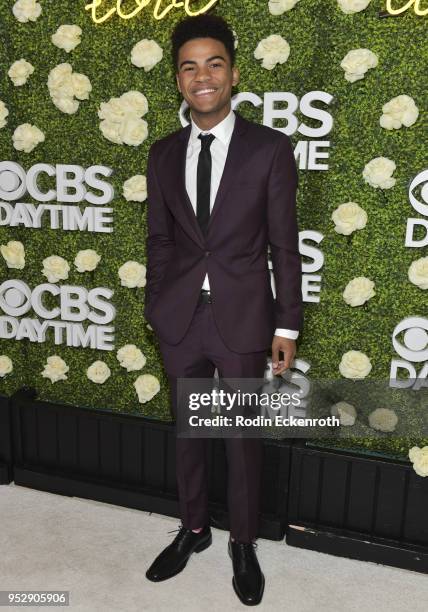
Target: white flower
132, 274
55, 369
26, 10
349, 217
355, 364
235, 39
146, 54
146, 386
135, 188
131, 357
98, 372
26, 137
419, 458
149, 326
6, 365
65, 85
358, 290
272, 50
67, 37
121, 118
86, 260
399, 111
356, 63
378, 173
55, 268
383, 419
3, 114
418, 272
278, 7
133, 131
20, 71
14, 254
345, 412
353, 6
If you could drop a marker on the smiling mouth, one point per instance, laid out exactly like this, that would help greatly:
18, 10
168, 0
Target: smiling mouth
208, 91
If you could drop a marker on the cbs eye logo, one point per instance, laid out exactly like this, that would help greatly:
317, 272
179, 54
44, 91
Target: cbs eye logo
420, 206
414, 344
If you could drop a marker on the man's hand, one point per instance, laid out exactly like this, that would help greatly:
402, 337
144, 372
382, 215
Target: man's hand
288, 347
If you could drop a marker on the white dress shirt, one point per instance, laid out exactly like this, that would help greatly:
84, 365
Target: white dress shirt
219, 147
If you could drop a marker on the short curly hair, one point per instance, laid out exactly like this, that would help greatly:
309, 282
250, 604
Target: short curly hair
201, 26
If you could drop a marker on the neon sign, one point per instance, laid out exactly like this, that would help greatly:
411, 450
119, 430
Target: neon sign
397, 11
140, 5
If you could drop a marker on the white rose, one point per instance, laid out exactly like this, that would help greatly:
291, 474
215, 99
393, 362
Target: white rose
111, 131
66, 104
55, 369
399, 111
146, 386
26, 10
349, 217
132, 274
20, 71
355, 364
6, 365
55, 268
112, 111
134, 102
86, 260
98, 372
356, 63
135, 188
419, 458
131, 357
358, 290
65, 85
278, 7
3, 114
378, 173
26, 137
81, 85
121, 118
14, 254
59, 80
133, 131
272, 50
383, 419
235, 39
67, 37
146, 54
353, 6
345, 412
418, 272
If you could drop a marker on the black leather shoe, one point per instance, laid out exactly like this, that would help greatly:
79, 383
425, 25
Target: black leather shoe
174, 557
248, 580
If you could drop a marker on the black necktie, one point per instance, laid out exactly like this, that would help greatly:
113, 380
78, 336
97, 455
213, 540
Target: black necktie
204, 182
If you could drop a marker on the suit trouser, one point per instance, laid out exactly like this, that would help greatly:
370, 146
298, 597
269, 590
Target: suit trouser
196, 356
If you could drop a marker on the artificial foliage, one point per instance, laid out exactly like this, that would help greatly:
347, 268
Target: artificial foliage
319, 35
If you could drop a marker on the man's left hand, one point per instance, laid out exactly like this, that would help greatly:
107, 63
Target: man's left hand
288, 348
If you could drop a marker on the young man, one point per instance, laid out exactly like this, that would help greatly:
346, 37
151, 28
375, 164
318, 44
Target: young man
219, 191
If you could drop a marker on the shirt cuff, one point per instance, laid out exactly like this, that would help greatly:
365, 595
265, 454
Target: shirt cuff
287, 333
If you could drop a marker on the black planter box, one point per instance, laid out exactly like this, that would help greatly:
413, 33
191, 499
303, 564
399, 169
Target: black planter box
362, 507
129, 461
6, 461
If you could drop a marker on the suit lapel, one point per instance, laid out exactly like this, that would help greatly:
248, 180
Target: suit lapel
234, 158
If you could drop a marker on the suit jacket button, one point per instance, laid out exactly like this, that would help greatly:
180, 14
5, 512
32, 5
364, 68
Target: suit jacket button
207, 253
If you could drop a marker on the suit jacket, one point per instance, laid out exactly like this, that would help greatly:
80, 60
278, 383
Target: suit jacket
255, 205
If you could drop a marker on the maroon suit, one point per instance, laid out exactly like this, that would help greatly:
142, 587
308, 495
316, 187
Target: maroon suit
255, 205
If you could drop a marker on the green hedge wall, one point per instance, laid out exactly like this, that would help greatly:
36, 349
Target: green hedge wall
319, 35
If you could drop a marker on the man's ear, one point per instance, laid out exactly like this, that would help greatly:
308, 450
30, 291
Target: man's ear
235, 77
178, 82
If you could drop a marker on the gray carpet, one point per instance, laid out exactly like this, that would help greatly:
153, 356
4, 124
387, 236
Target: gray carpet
99, 552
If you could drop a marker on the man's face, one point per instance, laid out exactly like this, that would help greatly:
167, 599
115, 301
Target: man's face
204, 64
